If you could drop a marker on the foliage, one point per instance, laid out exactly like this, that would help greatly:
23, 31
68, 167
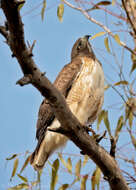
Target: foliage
122, 84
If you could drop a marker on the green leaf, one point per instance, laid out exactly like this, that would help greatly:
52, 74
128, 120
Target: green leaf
117, 39
96, 6
106, 87
25, 164
130, 104
104, 3
43, 9
130, 110
100, 117
86, 158
20, 186
54, 177
106, 43
64, 186
39, 173
95, 180
60, 12
106, 122
12, 157
34, 183
24, 179
14, 168
97, 35
83, 182
62, 160
122, 82
78, 169
133, 58
69, 165
22, 2
133, 67
133, 141
113, 2
130, 119
119, 126
132, 138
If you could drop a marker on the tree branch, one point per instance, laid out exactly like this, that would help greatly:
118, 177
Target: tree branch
128, 16
71, 125
4, 32
113, 146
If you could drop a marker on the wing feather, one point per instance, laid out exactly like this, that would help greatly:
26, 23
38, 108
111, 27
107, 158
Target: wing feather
63, 83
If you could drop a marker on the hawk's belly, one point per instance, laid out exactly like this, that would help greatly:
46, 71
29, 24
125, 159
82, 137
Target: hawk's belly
86, 95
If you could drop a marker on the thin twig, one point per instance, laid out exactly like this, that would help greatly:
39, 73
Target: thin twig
128, 16
131, 177
99, 24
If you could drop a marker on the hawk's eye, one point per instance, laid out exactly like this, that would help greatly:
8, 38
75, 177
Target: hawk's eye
79, 45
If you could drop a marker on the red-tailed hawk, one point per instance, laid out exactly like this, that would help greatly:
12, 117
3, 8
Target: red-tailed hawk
82, 83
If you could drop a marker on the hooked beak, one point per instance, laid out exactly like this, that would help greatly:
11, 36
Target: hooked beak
87, 36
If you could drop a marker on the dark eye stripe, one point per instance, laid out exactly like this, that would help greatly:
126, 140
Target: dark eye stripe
79, 45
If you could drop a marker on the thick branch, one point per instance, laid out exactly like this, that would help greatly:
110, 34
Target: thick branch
72, 128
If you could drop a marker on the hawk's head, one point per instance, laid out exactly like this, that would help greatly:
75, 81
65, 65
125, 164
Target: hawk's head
82, 47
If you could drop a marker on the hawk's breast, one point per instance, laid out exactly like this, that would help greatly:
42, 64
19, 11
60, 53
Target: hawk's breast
86, 95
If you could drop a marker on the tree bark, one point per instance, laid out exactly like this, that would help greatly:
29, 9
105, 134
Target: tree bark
71, 126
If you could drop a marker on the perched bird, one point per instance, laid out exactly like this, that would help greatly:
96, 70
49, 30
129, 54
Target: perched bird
82, 84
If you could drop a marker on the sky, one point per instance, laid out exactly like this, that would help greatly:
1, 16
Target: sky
19, 105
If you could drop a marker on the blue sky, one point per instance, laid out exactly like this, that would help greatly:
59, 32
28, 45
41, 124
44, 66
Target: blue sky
19, 105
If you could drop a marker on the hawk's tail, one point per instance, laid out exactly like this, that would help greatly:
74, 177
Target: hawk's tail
38, 158
51, 142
